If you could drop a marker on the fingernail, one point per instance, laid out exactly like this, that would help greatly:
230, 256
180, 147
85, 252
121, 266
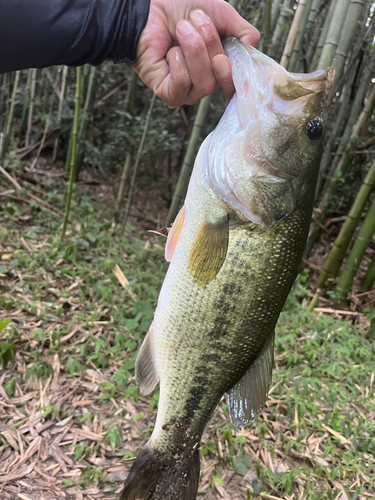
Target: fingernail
198, 17
221, 66
185, 28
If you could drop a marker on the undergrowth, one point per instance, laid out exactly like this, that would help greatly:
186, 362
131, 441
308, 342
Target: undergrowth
317, 429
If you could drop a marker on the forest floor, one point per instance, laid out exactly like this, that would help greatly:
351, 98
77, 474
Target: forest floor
71, 419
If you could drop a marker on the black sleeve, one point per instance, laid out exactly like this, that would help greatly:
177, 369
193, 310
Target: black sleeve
40, 33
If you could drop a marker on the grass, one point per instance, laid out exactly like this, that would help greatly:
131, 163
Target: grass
315, 438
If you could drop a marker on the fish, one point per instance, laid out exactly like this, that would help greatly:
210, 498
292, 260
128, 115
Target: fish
234, 252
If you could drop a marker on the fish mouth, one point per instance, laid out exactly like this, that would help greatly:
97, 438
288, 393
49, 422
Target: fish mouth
259, 81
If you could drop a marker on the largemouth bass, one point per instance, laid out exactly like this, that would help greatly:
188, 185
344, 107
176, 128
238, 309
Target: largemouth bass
234, 249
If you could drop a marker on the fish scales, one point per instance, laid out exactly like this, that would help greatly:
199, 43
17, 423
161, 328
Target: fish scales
216, 343
234, 249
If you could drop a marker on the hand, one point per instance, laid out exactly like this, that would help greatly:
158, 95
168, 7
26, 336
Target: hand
180, 56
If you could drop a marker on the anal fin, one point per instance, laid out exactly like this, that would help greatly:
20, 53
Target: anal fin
145, 371
247, 397
209, 250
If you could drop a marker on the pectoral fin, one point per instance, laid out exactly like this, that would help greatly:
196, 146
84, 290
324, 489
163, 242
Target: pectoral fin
174, 234
209, 251
247, 397
145, 372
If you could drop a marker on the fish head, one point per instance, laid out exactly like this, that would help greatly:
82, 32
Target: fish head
264, 155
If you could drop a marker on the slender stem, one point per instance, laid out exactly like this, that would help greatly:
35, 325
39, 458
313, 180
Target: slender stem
135, 168
9, 118
61, 104
31, 107
266, 26
124, 177
73, 151
369, 277
340, 246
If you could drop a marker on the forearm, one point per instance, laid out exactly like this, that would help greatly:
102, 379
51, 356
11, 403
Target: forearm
40, 33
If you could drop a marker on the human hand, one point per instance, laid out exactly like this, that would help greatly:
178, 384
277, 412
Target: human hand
180, 56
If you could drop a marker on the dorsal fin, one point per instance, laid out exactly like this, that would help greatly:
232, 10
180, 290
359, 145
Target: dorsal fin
174, 234
145, 371
247, 397
209, 250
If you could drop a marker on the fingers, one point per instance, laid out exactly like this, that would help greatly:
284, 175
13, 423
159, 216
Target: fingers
175, 88
207, 30
197, 59
206, 63
223, 73
185, 74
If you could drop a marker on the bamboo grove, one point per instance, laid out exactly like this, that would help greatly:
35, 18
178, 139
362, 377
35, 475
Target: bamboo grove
105, 120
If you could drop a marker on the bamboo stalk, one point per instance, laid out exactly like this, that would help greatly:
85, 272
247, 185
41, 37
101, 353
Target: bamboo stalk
275, 12
41, 146
347, 142
124, 177
280, 29
59, 111
369, 277
85, 118
31, 107
73, 150
337, 253
299, 36
333, 34
130, 93
356, 255
342, 105
266, 26
345, 43
26, 101
9, 118
323, 35
314, 11
188, 163
293, 32
317, 26
136, 163
4, 94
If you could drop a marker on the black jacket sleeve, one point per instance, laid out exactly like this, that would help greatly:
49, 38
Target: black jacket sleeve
40, 33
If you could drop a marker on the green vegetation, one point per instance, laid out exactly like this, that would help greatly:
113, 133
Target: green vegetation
317, 432
76, 301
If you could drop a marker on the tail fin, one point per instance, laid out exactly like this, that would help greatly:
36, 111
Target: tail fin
152, 477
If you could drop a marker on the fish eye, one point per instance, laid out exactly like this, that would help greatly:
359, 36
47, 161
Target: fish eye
314, 130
